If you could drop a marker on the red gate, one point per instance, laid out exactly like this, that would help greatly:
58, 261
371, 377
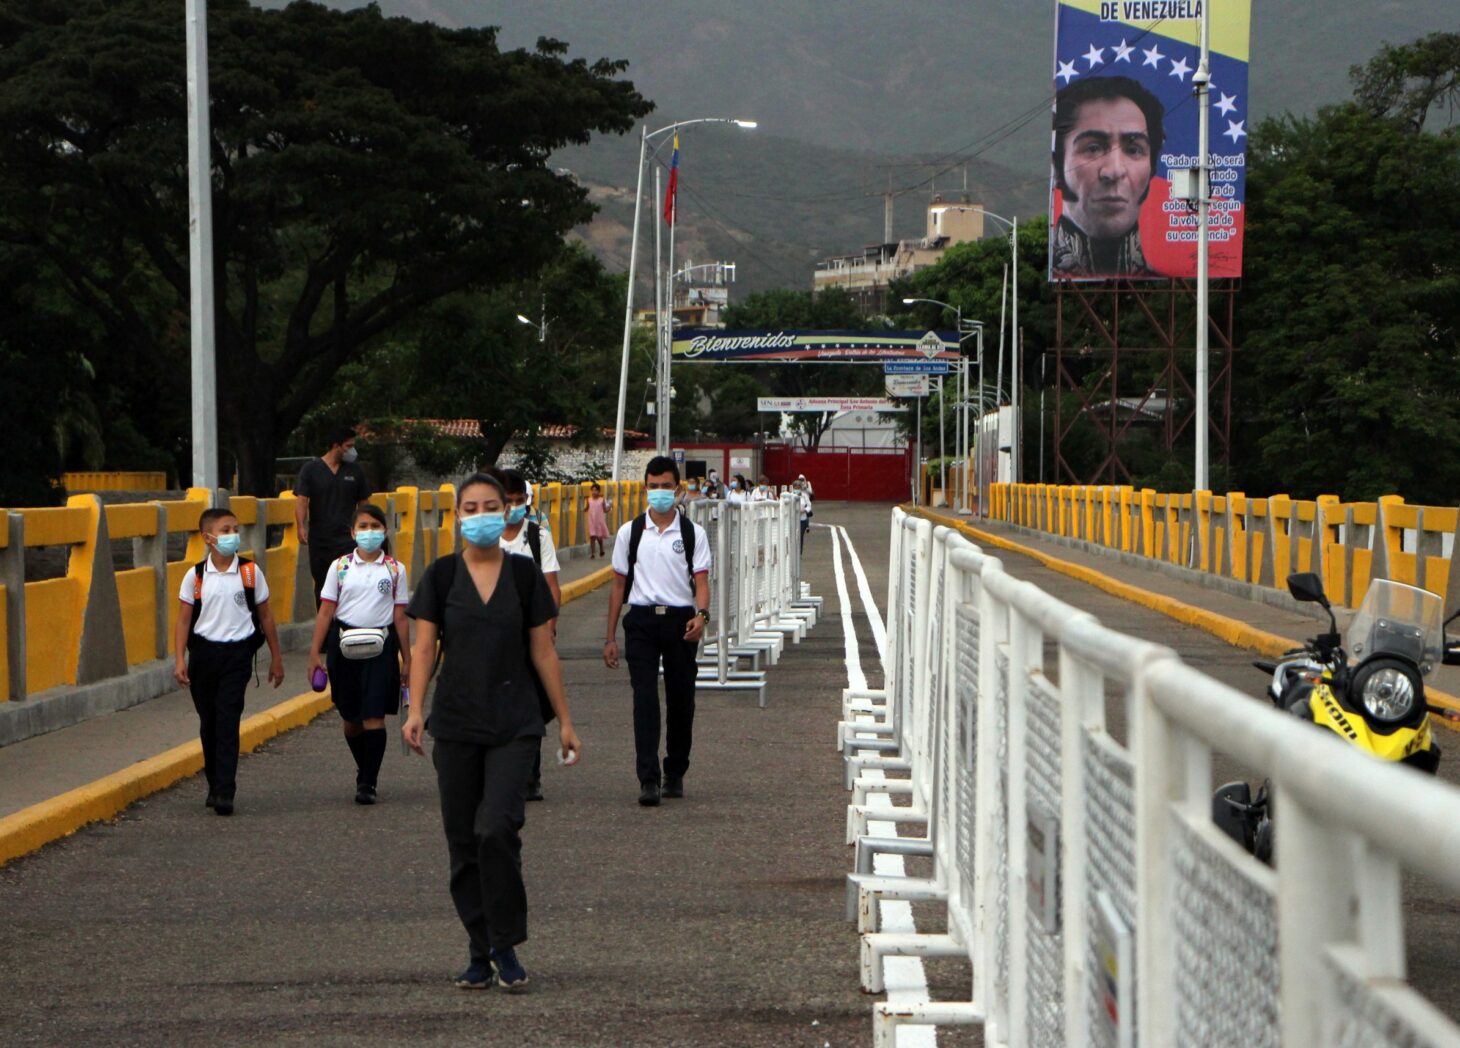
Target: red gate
845, 474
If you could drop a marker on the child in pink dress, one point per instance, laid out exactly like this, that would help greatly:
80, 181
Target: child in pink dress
597, 522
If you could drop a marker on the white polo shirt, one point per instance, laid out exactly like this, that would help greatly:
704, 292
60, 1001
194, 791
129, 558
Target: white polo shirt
370, 593
224, 616
660, 573
549, 549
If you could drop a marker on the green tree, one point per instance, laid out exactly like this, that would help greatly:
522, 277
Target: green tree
364, 168
1350, 314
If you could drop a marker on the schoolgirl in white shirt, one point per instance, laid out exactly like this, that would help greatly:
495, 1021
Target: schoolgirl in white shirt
363, 626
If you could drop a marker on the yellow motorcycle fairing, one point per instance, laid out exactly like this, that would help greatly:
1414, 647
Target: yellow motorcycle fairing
1402, 742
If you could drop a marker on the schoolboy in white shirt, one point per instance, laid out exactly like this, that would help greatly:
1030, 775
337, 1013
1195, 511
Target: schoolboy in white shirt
222, 620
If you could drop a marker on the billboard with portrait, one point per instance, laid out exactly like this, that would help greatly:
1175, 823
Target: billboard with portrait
1125, 118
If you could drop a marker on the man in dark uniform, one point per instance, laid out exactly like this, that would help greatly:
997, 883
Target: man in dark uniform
326, 495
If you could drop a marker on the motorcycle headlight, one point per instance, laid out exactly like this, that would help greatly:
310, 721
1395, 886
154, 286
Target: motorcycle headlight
1388, 689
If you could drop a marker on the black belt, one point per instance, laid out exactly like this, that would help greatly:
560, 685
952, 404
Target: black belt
663, 609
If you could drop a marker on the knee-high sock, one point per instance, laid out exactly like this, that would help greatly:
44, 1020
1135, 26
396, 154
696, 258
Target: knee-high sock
372, 752
356, 743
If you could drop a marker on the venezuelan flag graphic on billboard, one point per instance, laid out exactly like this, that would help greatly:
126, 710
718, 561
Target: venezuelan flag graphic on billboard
1125, 118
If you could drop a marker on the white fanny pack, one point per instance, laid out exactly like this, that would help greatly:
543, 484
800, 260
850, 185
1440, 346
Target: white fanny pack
362, 643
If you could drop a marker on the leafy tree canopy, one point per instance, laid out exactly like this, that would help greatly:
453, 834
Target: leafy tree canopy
364, 168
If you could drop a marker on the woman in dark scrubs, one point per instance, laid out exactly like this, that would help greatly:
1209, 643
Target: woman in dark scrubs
494, 633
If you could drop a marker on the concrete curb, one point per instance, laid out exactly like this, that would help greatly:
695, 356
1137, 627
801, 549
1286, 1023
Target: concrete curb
33, 828
1238, 634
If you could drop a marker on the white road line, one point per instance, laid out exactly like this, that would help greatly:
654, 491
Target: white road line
904, 977
855, 677
879, 631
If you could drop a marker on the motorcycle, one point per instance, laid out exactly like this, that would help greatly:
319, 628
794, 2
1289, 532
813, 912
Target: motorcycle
1370, 693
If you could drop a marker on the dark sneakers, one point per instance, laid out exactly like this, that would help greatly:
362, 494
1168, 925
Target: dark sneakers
673, 787
222, 805
649, 795
532, 791
478, 976
364, 794
212, 800
511, 976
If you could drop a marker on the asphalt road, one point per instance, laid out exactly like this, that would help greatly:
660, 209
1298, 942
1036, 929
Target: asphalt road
304, 919
716, 920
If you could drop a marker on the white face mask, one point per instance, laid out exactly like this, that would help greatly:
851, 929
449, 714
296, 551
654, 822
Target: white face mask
349, 455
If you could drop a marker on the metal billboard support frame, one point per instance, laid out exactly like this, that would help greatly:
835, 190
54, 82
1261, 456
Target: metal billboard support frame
1090, 318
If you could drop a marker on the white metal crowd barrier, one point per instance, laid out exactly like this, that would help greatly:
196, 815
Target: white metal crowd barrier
1082, 875
759, 600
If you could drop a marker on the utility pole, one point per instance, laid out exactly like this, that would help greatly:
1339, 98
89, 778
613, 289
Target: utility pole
200, 255
1202, 79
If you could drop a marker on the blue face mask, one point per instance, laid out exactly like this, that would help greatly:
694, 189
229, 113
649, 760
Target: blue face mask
734, 485
483, 529
661, 501
516, 515
228, 544
369, 541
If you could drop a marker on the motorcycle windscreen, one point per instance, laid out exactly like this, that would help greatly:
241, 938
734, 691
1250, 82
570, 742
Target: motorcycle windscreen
1398, 620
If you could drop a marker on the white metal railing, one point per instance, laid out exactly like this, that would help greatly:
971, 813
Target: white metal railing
1081, 871
759, 600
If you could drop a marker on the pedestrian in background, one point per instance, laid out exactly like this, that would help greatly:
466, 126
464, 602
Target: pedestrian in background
737, 492
362, 628
222, 620
326, 495
488, 613
803, 510
596, 507
763, 492
661, 564
528, 538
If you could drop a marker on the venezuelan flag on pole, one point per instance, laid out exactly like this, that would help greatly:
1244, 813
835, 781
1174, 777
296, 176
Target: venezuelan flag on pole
671, 195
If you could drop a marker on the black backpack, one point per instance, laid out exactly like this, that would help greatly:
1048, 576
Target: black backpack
525, 574
636, 534
534, 541
248, 574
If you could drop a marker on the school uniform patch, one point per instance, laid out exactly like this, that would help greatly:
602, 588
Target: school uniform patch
240, 599
679, 545
383, 587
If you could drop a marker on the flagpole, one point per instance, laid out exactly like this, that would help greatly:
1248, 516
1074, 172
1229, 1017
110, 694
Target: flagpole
669, 293
658, 322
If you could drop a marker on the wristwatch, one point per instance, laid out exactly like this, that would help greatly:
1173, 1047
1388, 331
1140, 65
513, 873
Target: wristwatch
704, 614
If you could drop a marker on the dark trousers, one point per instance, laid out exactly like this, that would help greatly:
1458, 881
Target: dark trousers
321, 558
219, 674
482, 812
648, 637
805, 527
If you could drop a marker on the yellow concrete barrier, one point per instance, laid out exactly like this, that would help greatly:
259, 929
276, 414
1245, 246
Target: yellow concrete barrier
132, 480
1254, 540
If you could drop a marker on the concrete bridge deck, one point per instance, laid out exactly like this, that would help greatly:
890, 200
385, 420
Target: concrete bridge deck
716, 920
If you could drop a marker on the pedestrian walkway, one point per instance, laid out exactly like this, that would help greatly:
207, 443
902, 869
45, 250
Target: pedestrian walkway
712, 921
42, 767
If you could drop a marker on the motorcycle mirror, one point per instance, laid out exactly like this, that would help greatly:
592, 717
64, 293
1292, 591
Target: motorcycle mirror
1307, 587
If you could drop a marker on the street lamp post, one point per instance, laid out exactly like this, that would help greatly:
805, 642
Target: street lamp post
1203, 79
200, 252
1017, 346
539, 326
962, 431
623, 383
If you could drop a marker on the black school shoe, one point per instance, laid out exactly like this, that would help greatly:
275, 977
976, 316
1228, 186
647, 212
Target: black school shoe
222, 805
212, 800
649, 795
532, 791
364, 794
673, 787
